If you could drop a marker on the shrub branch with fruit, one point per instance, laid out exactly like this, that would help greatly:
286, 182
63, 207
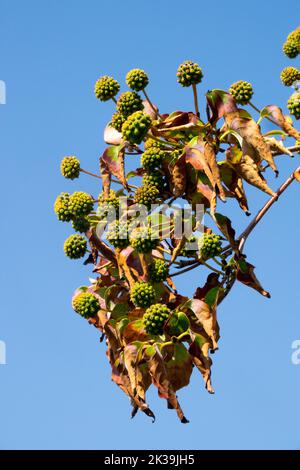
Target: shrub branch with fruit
154, 334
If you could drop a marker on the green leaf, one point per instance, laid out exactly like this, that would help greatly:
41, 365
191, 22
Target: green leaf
211, 298
119, 311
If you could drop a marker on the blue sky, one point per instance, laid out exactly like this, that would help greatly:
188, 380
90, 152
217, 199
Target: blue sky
55, 391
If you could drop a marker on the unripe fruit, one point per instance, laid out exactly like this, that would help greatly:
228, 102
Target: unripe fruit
106, 88
158, 271
294, 36
154, 319
75, 246
152, 158
117, 121
61, 207
80, 204
135, 128
186, 251
241, 91
137, 79
153, 179
128, 103
146, 195
290, 75
210, 245
291, 49
293, 105
142, 294
189, 73
108, 206
141, 240
86, 305
117, 234
154, 143
81, 225
70, 167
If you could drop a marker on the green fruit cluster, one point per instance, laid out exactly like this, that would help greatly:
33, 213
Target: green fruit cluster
117, 234
117, 121
61, 207
293, 105
290, 75
137, 79
155, 317
158, 271
75, 246
241, 91
135, 128
187, 253
153, 143
128, 103
291, 47
146, 195
108, 206
189, 73
86, 305
210, 245
81, 225
106, 88
141, 240
142, 294
153, 179
152, 158
70, 167
80, 204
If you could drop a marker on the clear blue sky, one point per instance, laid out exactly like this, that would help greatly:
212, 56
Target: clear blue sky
55, 391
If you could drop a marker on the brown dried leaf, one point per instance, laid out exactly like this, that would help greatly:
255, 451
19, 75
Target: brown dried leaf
234, 183
210, 157
199, 350
277, 115
245, 274
208, 319
179, 367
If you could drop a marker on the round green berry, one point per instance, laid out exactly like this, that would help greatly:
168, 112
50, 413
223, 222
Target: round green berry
152, 158
289, 75
186, 251
135, 128
241, 91
86, 305
106, 88
75, 246
154, 143
146, 195
117, 121
291, 48
137, 79
189, 73
70, 167
61, 207
293, 105
143, 240
128, 103
117, 234
81, 225
154, 319
210, 245
153, 179
108, 206
142, 294
80, 204
294, 36
159, 270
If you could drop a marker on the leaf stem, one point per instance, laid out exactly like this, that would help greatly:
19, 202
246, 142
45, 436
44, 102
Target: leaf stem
151, 104
90, 173
196, 99
267, 117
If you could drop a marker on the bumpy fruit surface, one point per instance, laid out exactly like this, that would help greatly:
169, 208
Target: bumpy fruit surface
135, 128
70, 167
189, 73
291, 49
187, 251
146, 195
137, 79
86, 305
75, 246
141, 240
81, 225
152, 158
210, 245
241, 91
153, 179
158, 271
295, 36
128, 103
154, 143
117, 121
108, 206
117, 234
289, 75
106, 88
155, 317
293, 105
61, 207
80, 204
142, 294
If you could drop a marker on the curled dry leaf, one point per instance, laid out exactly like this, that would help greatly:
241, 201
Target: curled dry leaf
278, 117
245, 274
112, 136
207, 317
